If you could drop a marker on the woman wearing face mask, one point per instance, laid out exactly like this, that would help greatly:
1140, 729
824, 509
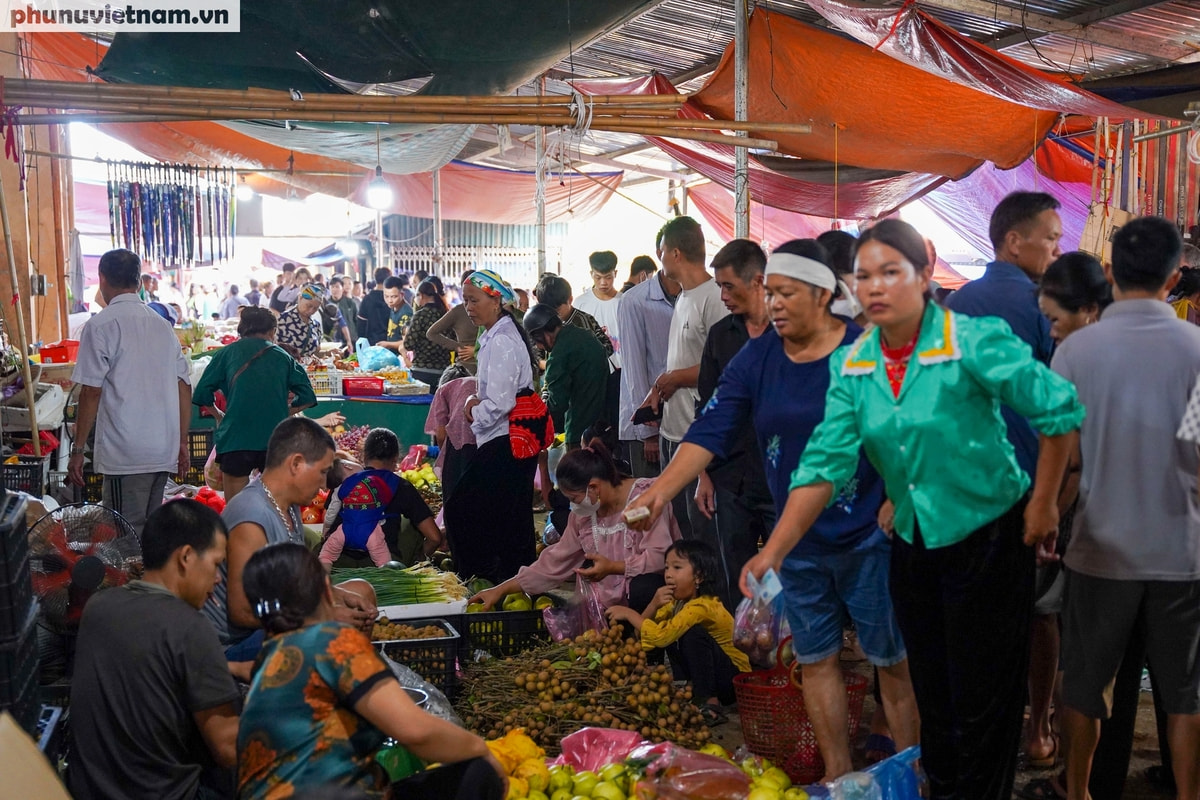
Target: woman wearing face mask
625, 564
920, 393
777, 383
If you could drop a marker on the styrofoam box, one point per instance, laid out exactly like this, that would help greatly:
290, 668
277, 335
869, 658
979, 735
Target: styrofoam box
420, 610
51, 401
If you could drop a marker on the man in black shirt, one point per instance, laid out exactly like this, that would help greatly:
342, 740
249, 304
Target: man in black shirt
736, 488
374, 313
153, 703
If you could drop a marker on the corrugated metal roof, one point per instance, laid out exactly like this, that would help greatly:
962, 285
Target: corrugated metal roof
688, 37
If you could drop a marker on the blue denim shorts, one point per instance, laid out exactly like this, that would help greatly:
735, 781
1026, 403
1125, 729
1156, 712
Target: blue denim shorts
825, 591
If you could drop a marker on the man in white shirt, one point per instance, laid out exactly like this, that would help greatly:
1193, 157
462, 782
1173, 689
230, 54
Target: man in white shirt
602, 301
697, 309
136, 391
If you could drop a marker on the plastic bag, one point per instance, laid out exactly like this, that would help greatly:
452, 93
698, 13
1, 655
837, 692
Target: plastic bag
758, 621
372, 357
901, 777
593, 748
676, 773
585, 612
437, 704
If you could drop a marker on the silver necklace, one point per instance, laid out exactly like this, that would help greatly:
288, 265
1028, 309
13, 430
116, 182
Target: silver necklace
287, 523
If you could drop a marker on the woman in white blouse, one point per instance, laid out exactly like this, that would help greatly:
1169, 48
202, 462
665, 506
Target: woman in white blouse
489, 514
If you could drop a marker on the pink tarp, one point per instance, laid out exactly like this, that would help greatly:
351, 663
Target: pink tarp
771, 227
714, 161
966, 205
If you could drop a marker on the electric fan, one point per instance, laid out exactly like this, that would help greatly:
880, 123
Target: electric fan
76, 551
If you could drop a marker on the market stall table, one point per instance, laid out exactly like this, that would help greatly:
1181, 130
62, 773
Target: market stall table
404, 415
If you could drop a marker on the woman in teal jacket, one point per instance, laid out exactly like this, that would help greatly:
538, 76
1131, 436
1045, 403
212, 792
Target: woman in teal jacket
920, 393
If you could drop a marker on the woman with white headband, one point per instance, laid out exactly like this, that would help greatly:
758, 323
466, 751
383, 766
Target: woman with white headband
920, 393
839, 572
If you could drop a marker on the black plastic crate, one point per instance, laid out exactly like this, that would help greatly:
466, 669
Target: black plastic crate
28, 476
19, 672
504, 633
432, 659
200, 444
16, 597
14, 544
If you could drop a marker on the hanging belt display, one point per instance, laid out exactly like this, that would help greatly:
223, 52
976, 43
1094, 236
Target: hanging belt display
164, 212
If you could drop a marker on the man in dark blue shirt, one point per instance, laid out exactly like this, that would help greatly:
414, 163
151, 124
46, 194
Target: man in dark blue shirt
1025, 231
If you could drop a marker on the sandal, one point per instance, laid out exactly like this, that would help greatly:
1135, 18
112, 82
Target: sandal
1042, 789
712, 715
878, 747
1025, 762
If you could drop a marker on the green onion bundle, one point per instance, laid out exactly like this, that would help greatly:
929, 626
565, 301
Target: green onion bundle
407, 586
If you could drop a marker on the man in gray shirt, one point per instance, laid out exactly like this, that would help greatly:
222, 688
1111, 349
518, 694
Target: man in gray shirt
1134, 555
153, 702
299, 456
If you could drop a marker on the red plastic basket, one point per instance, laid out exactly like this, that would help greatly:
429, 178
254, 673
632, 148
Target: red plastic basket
360, 386
63, 352
775, 723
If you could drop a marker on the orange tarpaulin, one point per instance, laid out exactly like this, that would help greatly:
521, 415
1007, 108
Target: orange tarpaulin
888, 115
475, 194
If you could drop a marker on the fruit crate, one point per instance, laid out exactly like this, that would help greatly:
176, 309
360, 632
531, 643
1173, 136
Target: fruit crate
200, 444
504, 633
433, 659
29, 475
326, 382
19, 672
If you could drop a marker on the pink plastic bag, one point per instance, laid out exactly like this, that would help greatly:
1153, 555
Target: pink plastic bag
585, 612
592, 748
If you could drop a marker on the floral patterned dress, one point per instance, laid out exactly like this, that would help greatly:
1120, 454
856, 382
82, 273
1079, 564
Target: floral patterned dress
299, 728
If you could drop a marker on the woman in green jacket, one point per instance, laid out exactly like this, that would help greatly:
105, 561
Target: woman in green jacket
257, 377
920, 393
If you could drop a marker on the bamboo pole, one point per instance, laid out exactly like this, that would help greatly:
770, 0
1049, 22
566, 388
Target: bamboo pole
698, 136
36, 89
22, 344
503, 117
613, 124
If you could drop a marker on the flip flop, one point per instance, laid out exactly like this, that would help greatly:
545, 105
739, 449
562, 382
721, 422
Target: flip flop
878, 747
712, 715
1041, 789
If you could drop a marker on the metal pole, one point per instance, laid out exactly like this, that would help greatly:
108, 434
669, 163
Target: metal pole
438, 239
741, 86
540, 145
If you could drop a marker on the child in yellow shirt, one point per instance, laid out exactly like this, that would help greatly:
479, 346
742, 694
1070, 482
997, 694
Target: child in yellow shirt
688, 620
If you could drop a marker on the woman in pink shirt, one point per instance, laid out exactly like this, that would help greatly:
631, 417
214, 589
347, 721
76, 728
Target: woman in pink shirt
449, 428
625, 565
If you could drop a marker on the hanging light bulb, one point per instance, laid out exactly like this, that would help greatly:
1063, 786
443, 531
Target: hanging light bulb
293, 196
244, 192
349, 248
379, 192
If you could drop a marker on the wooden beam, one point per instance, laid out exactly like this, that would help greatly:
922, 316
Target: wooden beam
1165, 51
1085, 18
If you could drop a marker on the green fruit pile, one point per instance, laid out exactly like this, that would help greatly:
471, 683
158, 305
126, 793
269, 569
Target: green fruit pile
597, 679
